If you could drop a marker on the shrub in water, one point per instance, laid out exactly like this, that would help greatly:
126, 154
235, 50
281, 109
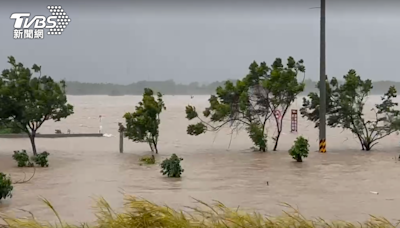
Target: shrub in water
22, 158
5, 186
300, 149
149, 160
41, 159
172, 166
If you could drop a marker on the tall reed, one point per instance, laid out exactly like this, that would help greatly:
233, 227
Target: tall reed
142, 213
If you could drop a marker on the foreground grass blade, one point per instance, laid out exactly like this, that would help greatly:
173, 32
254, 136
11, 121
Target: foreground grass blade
141, 213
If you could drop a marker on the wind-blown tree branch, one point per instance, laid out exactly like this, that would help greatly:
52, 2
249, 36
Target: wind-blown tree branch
283, 88
310, 107
236, 105
346, 109
251, 101
26, 101
143, 124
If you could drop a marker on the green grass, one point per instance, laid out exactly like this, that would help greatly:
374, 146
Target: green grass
141, 213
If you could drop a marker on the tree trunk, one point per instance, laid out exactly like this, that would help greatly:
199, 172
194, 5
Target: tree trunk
362, 144
263, 149
156, 149
361, 141
32, 139
299, 159
276, 140
151, 146
155, 146
367, 146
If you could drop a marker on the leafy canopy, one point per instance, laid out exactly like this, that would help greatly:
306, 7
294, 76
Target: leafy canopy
300, 149
6, 186
29, 101
143, 124
172, 166
26, 101
232, 105
250, 102
283, 88
345, 109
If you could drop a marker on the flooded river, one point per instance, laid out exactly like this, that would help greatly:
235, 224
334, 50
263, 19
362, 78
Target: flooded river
335, 185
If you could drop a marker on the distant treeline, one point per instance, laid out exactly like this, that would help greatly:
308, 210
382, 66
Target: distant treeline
169, 87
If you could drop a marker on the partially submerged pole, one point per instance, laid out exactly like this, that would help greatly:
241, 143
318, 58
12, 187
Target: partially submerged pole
322, 82
121, 130
101, 126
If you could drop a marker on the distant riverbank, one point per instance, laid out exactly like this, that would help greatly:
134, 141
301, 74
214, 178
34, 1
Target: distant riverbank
170, 87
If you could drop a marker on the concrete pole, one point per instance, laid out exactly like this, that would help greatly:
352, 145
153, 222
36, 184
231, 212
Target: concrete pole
121, 130
322, 80
121, 142
101, 126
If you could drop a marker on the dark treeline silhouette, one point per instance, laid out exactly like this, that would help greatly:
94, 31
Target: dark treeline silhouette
169, 87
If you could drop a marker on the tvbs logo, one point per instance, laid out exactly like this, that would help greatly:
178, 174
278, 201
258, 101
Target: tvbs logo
25, 28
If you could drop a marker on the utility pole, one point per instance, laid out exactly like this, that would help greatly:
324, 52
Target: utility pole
322, 82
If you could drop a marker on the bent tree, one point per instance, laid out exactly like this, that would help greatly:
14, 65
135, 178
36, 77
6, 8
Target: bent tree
345, 109
250, 102
26, 101
143, 124
231, 106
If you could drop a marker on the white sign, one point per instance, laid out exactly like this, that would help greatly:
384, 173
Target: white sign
25, 28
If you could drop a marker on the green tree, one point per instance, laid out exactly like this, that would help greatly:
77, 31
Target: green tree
232, 105
172, 166
27, 101
250, 102
283, 88
6, 186
345, 109
300, 149
143, 124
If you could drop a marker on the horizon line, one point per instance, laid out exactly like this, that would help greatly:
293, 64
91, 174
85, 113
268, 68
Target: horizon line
201, 83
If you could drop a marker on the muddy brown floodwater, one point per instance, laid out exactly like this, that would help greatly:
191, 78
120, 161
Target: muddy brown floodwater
335, 185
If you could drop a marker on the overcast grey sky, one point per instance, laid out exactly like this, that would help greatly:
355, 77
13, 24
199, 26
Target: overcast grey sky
125, 41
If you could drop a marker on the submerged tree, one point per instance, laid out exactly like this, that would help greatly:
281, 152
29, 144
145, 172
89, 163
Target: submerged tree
345, 109
300, 149
26, 102
283, 88
6, 186
143, 124
250, 102
172, 166
232, 105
